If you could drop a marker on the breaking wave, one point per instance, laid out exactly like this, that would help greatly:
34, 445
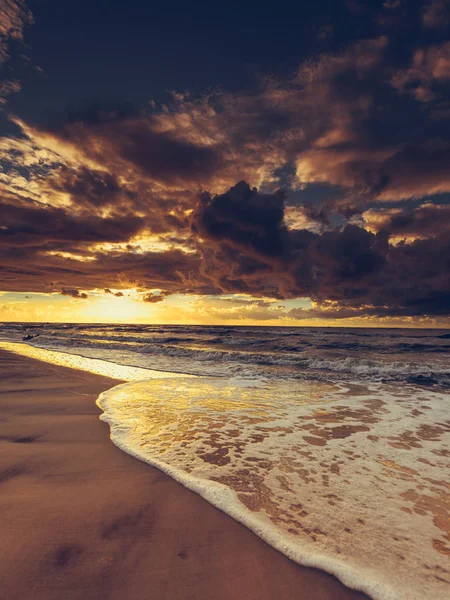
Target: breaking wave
411, 356
332, 445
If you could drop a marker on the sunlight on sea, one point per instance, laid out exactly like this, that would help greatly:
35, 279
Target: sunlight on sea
348, 478
92, 365
331, 445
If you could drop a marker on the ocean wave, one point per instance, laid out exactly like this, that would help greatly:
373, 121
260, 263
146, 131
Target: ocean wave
300, 364
362, 367
367, 355
378, 371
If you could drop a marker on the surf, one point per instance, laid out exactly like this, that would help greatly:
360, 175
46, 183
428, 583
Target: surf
346, 478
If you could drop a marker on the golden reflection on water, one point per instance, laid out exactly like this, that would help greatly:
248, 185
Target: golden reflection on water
354, 471
81, 363
219, 422
309, 458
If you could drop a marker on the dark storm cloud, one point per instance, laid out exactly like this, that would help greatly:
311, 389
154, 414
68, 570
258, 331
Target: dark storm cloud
45, 248
243, 218
420, 169
316, 214
425, 221
154, 298
14, 18
436, 14
94, 191
85, 200
26, 224
427, 76
246, 229
353, 268
139, 143
33, 268
361, 120
73, 293
243, 245
373, 140
87, 186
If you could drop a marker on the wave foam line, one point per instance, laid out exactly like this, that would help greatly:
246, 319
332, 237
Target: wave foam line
91, 365
369, 581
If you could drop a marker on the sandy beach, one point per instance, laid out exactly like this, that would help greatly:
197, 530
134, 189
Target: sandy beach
81, 519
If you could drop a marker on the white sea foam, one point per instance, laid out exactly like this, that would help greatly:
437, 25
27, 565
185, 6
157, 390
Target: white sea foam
412, 356
82, 363
350, 479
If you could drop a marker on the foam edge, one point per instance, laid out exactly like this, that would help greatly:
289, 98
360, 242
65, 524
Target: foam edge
223, 498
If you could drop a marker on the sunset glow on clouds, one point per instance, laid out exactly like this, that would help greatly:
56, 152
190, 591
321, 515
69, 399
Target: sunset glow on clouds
328, 189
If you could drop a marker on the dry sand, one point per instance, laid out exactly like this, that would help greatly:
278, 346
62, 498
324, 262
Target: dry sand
81, 519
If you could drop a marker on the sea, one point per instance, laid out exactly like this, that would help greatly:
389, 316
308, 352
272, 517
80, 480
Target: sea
331, 444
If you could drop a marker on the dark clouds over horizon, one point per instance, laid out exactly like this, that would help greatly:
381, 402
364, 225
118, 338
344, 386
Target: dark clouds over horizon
184, 197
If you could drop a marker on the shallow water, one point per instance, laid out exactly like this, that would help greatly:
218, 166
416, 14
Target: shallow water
346, 478
73, 361
331, 444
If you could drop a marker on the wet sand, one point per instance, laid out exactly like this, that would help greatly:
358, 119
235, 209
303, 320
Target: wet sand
81, 519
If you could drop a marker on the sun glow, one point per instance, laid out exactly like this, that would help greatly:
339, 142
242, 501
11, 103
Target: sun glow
110, 309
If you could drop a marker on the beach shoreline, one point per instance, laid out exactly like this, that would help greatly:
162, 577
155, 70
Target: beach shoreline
83, 519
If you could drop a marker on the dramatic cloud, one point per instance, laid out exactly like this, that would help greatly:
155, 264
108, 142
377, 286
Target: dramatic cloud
141, 144
53, 228
154, 298
14, 18
436, 14
73, 293
116, 294
429, 70
343, 120
425, 221
243, 245
351, 268
358, 140
243, 218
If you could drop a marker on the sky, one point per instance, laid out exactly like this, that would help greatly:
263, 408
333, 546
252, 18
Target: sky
225, 162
